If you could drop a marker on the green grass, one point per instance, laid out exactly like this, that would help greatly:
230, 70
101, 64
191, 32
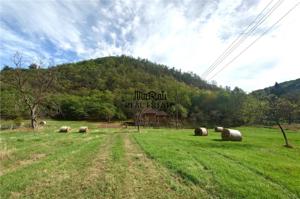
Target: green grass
257, 167
107, 163
118, 149
45, 157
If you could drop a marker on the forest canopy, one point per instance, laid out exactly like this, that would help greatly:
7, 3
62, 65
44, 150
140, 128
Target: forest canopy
97, 90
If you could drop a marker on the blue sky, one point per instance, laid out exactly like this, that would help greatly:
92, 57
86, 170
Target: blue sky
187, 34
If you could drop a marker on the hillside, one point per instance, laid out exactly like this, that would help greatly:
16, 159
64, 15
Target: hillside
289, 90
124, 67
124, 71
104, 89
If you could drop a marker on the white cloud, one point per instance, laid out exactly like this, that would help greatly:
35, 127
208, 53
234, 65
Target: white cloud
187, 34
194, 47
273, 58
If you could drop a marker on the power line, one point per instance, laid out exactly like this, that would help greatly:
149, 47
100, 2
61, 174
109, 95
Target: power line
243, 36
211, 66
241, 39
245, 49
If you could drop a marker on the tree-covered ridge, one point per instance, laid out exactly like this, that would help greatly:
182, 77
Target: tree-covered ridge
98, 89
120, 70
289, 90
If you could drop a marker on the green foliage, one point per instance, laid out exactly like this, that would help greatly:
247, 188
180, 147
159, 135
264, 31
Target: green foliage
72, 108
289, 90
98, 89
18, 121
10, 103
5, 68
254, 110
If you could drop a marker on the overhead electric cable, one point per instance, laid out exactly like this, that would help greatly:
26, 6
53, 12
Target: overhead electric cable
243, 36
280, 19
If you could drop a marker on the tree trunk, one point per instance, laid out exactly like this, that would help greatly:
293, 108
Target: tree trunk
290, 119
284, 135
138, 120
33, 117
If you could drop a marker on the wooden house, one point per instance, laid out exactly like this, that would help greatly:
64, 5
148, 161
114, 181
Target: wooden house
151, 117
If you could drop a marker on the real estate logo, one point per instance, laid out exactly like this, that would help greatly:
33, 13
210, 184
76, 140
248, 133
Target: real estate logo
151, 99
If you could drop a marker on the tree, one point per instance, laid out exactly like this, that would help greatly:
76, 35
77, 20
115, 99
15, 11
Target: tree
278, 111
253, 110
9, 103
6, 68
108, 110
33, 66
32, 88
72, 107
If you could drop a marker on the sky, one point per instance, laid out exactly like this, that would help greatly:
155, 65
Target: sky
186, 34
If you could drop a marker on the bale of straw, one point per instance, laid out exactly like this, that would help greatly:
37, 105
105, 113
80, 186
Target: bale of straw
201, 131
219, 129
83, 129
65, 129
42, 123
231, 135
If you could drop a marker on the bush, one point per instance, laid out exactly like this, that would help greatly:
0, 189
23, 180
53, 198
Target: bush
18, 122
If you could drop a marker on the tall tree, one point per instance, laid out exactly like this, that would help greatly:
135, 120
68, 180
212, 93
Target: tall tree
34, 88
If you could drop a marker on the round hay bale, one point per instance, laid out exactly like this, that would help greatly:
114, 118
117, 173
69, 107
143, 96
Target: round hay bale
65, 129
219, 129
231, 135
201, 131
42, 123
83, 129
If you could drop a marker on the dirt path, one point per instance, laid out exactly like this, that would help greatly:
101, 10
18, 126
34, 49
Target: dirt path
100, 179
100, 163
146, 179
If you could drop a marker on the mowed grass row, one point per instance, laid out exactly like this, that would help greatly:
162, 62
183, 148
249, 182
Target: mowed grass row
257, 167
41, 164
48, 164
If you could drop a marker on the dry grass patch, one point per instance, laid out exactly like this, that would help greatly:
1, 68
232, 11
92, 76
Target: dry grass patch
5, 154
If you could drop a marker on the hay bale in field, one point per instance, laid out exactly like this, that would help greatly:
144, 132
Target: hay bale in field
83, 129
219, 129
65, 129
42, 123
231, 135
201, 131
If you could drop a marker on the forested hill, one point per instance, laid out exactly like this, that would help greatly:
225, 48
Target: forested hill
101, 89
129, 69
289, 90
97, 89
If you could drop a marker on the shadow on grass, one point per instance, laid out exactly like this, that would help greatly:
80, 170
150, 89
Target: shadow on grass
198, 135
219, 140
219, 143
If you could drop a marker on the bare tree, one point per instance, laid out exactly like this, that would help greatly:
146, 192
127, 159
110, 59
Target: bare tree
32, 85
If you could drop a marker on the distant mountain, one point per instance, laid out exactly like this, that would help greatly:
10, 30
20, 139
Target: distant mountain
288, 89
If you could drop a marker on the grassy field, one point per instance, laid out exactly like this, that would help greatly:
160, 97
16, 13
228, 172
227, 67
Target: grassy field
156, 163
